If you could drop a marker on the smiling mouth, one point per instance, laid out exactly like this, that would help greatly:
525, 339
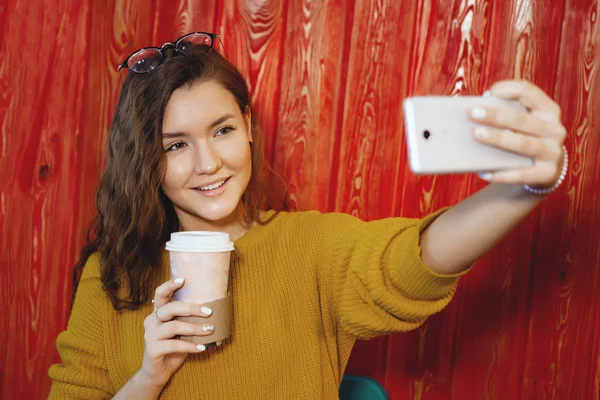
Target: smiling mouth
214, 186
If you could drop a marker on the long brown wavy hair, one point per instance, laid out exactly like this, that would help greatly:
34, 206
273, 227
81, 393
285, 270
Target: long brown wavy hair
135, 218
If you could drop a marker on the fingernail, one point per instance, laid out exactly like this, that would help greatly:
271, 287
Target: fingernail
179, 280
478, 113
482, 132
486, 176
201, 347
208, 328
206, 310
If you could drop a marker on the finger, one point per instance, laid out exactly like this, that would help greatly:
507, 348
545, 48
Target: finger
171, 329
518, 121
529, 146
182, 309
153, 320
163, 293
542, 174
528, 94
165, 347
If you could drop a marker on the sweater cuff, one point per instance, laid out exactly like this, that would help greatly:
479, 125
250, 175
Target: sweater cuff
411, 276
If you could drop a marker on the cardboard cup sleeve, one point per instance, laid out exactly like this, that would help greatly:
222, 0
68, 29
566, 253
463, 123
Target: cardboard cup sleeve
220, 319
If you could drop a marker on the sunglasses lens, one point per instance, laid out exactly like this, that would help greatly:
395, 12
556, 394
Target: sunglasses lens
194, 42
144, 60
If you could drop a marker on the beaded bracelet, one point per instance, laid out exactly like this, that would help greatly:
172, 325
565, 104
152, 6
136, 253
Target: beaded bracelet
561, 178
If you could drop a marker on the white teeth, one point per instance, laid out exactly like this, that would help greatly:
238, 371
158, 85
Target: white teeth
213, 186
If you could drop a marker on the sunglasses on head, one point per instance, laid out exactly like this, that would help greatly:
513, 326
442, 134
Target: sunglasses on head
146, 59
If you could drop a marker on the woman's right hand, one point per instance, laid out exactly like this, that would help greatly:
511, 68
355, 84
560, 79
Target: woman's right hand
163, 352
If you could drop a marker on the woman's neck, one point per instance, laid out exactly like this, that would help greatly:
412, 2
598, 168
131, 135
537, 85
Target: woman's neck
230, 225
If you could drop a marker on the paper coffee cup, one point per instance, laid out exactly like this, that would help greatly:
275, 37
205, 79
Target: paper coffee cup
202, 259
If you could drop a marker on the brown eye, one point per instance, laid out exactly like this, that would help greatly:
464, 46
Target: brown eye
176, 146
224, 130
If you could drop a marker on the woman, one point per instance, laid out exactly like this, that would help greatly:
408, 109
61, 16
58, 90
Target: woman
185, 154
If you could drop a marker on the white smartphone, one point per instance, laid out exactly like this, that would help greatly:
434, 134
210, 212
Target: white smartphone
440, 139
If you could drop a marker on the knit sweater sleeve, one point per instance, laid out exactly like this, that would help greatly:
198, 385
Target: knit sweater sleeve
379, 282
82, 373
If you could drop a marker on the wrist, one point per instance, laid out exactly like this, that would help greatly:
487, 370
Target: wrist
143, 381
140, 386
558, 180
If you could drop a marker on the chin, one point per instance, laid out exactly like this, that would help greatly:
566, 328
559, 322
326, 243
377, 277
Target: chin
218, 212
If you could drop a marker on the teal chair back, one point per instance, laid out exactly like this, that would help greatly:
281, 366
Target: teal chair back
361, 388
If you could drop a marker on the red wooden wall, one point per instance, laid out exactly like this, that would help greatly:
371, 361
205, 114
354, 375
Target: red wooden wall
328, 78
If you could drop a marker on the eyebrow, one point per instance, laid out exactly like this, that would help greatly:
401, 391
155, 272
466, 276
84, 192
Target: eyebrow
215, 123
219, 121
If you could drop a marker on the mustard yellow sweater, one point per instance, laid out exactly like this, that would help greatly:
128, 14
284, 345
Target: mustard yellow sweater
305, 287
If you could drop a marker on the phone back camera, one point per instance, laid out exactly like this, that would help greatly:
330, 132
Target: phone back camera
426, 135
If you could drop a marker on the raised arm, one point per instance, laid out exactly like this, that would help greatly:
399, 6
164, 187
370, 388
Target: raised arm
471, 228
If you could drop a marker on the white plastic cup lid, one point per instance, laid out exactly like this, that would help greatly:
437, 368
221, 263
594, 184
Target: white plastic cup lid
200, 242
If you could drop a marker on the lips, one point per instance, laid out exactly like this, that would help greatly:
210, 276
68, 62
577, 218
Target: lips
212, 185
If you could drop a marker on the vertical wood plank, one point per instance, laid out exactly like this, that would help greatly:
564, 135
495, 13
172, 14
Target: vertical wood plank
315, 37
495, 302
561, 358
41, 92
371, 129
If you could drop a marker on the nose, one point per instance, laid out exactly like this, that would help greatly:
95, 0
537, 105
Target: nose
207, 160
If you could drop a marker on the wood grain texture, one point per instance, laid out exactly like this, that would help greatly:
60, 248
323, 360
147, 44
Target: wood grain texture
40, 132
371, 127
173, 19
494, 310
307, 131
561, 357
327, 79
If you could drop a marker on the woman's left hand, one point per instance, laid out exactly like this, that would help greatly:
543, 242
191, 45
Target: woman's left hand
537, 133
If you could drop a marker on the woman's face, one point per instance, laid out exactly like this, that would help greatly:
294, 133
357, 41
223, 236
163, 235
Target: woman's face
206, 140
